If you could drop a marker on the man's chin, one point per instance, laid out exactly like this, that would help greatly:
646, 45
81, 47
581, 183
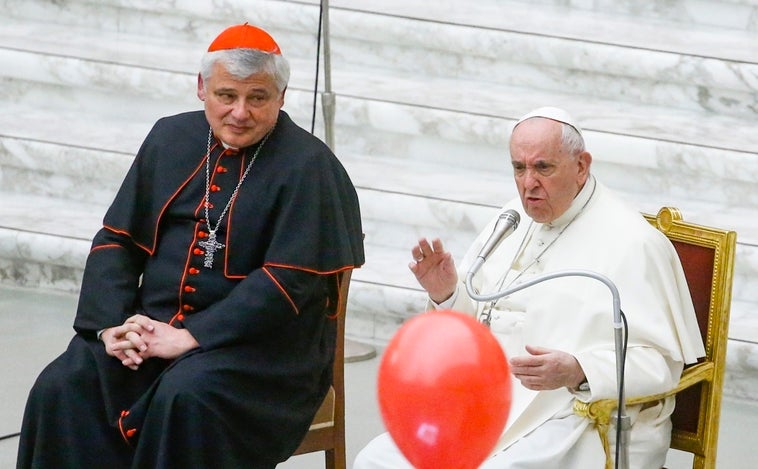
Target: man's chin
237, 140
242, 139
538, 215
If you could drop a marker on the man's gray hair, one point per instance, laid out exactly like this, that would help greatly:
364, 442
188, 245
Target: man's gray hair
242, 63
571, 140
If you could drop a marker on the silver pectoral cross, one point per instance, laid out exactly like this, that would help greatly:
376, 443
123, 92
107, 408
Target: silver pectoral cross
211, 246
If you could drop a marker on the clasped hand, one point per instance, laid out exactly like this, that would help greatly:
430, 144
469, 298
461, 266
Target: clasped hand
140, 338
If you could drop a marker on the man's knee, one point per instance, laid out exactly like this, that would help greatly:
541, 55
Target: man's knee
181, 387
60, 378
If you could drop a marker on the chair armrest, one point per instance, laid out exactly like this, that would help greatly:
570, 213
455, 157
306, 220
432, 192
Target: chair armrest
600, 411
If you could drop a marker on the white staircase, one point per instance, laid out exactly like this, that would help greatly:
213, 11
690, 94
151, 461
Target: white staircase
667, 93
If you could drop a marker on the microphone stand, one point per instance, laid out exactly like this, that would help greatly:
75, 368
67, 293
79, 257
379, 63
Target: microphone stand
622, 420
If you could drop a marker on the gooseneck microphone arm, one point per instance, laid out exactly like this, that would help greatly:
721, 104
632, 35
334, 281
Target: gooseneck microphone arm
623, 424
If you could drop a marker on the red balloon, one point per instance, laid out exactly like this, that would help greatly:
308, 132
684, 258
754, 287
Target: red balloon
444, 390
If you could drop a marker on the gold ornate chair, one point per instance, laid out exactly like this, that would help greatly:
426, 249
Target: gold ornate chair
707, 256
327, 432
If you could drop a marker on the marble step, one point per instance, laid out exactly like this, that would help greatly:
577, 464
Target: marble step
55, 232
701, 28
396, 210
44, 242
623, 143
442, 151
560, 50
712, 71
658, 26
370, 103
672, 170
733, 14
85, 157
386, 103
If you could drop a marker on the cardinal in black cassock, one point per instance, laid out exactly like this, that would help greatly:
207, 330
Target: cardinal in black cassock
239, 246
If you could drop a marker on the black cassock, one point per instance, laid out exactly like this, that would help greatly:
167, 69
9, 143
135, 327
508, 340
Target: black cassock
263, 314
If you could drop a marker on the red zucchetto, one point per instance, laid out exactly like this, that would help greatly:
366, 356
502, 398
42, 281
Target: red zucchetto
244, 36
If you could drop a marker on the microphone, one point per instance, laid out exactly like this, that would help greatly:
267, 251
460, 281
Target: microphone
506, 224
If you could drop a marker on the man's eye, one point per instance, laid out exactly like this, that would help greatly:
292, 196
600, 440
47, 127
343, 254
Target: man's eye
544, 168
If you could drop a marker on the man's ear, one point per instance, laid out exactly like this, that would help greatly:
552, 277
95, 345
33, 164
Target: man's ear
585, 161
200, 88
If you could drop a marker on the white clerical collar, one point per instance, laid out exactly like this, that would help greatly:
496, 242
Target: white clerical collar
577, 205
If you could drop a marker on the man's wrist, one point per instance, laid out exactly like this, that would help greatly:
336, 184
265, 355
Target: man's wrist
444, 299
582, 386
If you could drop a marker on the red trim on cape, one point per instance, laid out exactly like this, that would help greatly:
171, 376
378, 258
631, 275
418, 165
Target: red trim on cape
173, 196
103, 246
281, 288
125, 233
313, 271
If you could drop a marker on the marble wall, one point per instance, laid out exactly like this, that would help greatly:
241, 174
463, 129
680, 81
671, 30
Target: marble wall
667, 93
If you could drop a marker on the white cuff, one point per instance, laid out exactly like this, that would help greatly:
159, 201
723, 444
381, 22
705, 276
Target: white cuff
448, 303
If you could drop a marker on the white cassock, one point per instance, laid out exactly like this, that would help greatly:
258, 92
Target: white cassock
599, 233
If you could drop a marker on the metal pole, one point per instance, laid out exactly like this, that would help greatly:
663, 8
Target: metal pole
354, 351
327, 97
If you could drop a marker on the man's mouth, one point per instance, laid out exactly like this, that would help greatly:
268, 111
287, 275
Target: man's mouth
237, 128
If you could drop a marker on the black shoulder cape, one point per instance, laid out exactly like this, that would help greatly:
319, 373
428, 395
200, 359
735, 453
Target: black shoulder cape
310, 218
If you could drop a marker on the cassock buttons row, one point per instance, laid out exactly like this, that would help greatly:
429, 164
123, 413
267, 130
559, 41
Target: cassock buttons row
197, 252
127, 434
192, 271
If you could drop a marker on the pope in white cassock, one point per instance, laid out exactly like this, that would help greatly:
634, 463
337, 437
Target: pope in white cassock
558, 334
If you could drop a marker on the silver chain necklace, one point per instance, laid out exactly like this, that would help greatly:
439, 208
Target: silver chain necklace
211, 245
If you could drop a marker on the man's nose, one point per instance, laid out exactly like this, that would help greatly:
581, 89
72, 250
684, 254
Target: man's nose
239, 109
530, 179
